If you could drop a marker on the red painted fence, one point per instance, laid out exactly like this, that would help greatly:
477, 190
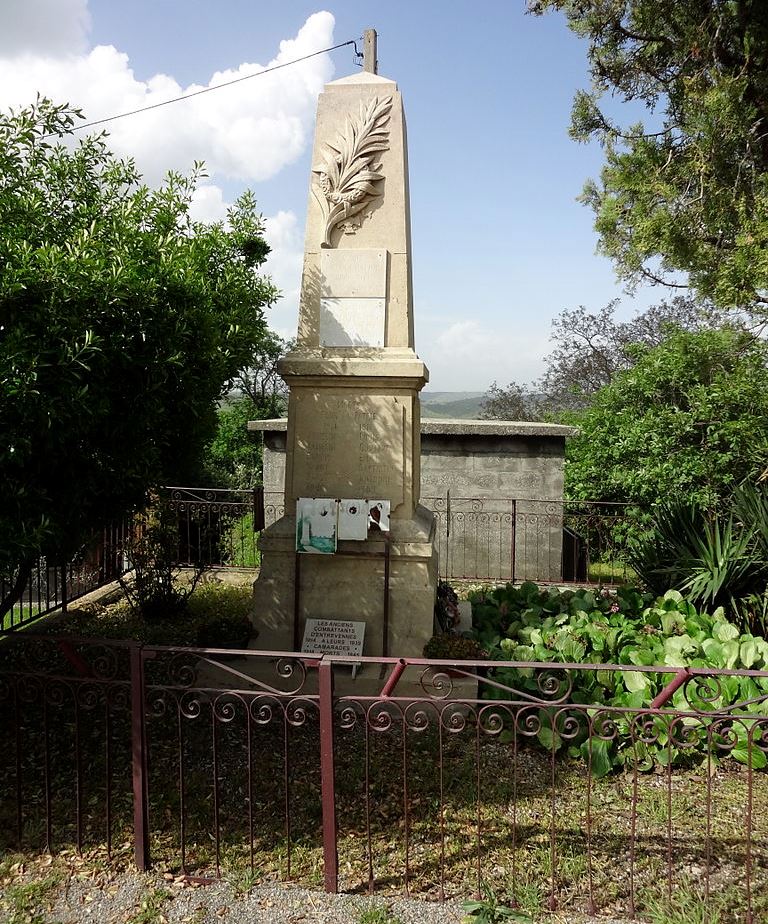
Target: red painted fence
425, 777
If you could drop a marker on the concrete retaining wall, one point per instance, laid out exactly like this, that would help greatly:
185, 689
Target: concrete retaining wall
505, 480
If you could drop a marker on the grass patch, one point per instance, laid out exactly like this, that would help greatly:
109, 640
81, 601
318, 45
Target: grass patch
19, 614
117, 620
243, 880
527, 856
25, 902
611, 572
426, 790
151, 908
378, 914
240, 544
689, 903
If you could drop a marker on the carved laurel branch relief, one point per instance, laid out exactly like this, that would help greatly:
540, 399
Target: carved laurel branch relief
347, 180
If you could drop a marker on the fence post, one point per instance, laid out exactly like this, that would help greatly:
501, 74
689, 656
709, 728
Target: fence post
514, 537
139, 759
327, 778
63, 588
259, 518
296, 600
385, 624
448, 572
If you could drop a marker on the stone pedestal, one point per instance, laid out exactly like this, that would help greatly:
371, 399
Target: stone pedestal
350, 585
354, 382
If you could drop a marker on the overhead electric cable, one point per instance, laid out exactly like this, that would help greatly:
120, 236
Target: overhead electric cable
167, 102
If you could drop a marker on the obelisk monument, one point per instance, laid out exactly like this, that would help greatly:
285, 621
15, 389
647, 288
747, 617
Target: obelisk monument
354, 381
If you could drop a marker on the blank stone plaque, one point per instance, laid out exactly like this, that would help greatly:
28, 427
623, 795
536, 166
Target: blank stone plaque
353, 297
352, 322
353, 273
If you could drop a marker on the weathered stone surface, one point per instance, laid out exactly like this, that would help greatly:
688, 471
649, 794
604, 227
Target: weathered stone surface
351, 445
354, 273
353, 297
354, 380
495, 428
349, 586
454, 427
378, 219
486, 464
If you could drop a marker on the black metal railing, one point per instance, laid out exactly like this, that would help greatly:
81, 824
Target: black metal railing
217, 527
566, 542
52, 587
522, 539
475, 536
480, 539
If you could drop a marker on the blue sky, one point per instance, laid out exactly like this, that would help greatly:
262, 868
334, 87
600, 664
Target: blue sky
500, 244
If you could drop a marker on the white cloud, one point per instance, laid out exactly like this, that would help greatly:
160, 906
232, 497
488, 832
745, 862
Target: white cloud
285, 237
464, 355
245, 132
283, 264
463, 340
208, 204
43, 27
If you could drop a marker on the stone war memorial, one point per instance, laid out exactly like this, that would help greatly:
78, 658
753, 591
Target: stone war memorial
354, 544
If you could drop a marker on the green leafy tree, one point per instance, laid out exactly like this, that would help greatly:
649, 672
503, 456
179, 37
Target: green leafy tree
689, 419
510, 402
589, 350
260, 380
232, 459
684, 191
121, 323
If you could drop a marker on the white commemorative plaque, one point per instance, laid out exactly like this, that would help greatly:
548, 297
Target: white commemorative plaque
334, 637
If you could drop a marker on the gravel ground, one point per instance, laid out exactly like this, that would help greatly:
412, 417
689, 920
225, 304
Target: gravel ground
128, 897
150, 899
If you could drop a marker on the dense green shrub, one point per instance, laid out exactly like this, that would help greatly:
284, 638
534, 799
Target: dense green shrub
122, 321
221, 615
153, 588
527, 623
448, 646
689, 419
114, 618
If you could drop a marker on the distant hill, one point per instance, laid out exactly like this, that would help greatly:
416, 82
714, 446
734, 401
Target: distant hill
442, 404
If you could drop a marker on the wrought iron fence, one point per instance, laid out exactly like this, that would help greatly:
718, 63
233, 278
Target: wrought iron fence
484, 539
217, 527
546, 541
51, 587
475, 536
582, 542
430, 777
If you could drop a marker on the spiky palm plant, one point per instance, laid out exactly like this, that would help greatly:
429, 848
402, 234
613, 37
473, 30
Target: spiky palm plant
711, 559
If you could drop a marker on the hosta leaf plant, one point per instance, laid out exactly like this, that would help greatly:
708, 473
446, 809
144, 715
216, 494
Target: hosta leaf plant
530, 624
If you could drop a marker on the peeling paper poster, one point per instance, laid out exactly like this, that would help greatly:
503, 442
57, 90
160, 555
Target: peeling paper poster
353, 519
378, 515
316, 525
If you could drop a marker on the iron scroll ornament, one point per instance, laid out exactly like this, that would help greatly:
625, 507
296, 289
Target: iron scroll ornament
347, 180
